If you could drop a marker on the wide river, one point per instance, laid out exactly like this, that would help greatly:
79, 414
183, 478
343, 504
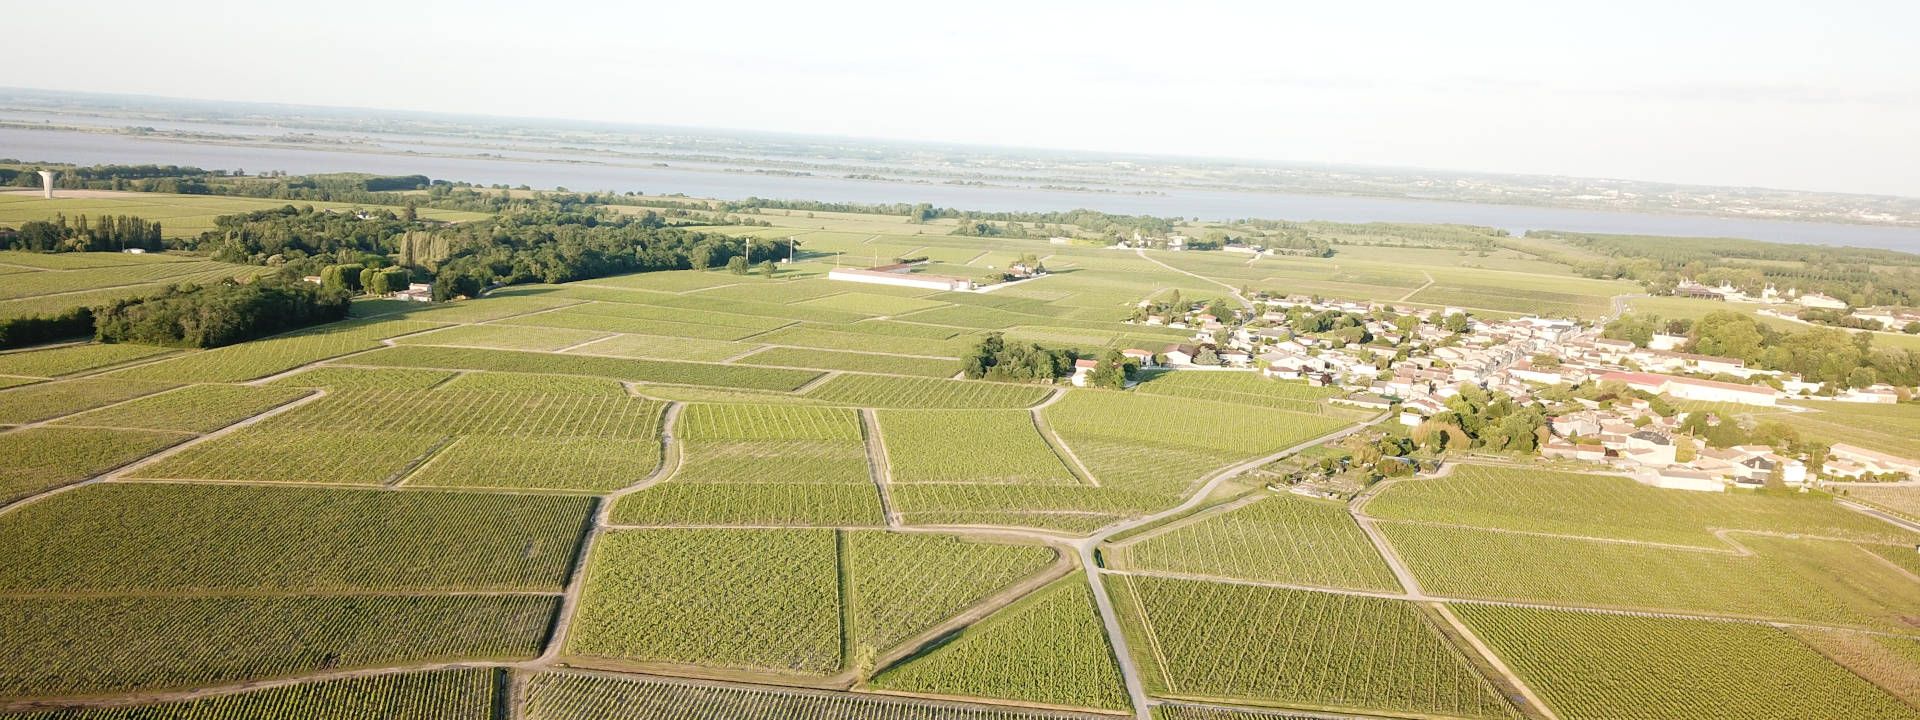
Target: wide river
92, 148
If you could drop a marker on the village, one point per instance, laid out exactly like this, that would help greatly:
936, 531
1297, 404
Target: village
1607, 404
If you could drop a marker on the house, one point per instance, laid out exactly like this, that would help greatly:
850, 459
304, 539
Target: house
1686, 388
1180, 354
901, 275
1083, 371
1680, 478
1874, 461
1880, 394
1663, 341
1363, 400
1821, 302
416, 292
1648, 447
1143, 357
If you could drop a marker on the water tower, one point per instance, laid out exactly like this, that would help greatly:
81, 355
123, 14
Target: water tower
46, 183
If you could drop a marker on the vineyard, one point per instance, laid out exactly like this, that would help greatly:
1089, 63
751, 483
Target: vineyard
642, 371
1046, 649
196, 408
755, 599
174, 536
999, 446
1340, 651
1280, 538
1809, 580
34, 403
444, 695
1887, 428
47, 457
1667, 668
687, 495
1600, 506
881, 391
91, 645
572, 696
903, 583
71, 359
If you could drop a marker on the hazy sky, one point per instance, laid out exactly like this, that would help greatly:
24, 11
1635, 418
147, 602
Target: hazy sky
1806, 95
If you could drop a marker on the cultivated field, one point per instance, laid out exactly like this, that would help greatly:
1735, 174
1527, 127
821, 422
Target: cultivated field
688, 495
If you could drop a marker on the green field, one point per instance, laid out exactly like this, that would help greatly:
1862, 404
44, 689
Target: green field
1046, 649
178, 215
685, 495
1612, 507
188, 537
468, 694
1730, 669
572, 696
970, 446
93, 645
1828, 582
1282, 538
1214, 641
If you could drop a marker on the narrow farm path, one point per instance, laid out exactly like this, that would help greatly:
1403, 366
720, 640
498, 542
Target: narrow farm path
1416, 291
1244, 302
877, 466
1060, 446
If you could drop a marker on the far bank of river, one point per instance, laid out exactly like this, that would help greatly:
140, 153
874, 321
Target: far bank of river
91, 148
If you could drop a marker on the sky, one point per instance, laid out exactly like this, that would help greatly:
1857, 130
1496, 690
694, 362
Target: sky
1799, 95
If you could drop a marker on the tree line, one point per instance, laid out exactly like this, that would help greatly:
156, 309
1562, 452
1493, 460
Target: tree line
108, 233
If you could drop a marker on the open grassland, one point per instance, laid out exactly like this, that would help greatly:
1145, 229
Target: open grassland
1603, 506
70, 359
196, 408
466, 694
753, 599
641, 371
1891, 429
574, 696
128, 537
1046, 649
970, 446
1279, 538
1290, 648
179, 215
1820, 581
925, 393
1590, 667
99, 645
39, 459
900, 584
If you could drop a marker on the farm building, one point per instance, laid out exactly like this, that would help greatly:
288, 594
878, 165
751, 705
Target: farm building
1871, 461
1686, 388
901, 275
1082, 370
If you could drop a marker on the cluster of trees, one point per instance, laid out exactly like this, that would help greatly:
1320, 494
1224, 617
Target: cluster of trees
374, 279
1860, 276
106, 234
276, 235
1830, 356
1476, 418
1114, 371
559, 246
223, 314
994, 358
